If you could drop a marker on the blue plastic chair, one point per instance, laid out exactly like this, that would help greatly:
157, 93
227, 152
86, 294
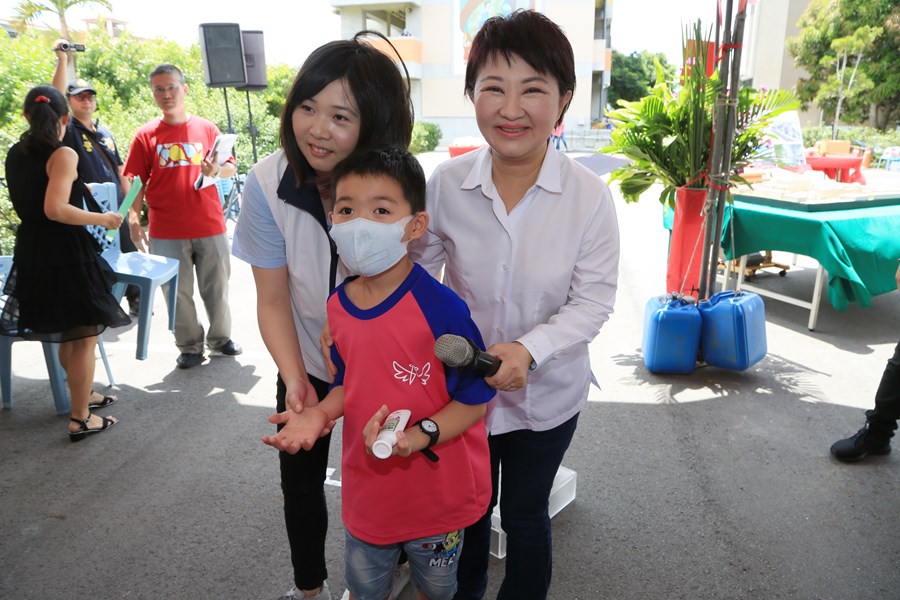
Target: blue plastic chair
230, 196
51, 357
890, 155
146, 271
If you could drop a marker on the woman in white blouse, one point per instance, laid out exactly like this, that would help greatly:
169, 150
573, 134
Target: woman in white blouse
530, 241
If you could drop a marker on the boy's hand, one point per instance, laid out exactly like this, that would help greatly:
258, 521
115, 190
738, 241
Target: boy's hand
325, 343
513, 373
300, 431
370, 433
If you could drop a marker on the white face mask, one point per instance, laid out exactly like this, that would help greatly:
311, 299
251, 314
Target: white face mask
369, 248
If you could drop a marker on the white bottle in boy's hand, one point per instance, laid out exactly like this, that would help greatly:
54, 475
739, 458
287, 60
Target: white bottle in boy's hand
387, 435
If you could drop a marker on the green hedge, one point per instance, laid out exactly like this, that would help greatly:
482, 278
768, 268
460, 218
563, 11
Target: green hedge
9, 220
868, 136
425, 137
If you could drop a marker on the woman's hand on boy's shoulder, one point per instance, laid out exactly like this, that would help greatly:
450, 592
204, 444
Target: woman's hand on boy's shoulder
325, 344
299, 394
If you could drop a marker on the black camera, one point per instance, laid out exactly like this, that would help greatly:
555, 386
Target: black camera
66, 47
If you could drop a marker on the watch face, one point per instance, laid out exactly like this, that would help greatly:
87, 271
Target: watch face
429, 426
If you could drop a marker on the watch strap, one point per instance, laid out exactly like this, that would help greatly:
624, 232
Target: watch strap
433, 437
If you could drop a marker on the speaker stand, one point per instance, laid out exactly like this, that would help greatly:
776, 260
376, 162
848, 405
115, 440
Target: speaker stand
252, 129
228, 111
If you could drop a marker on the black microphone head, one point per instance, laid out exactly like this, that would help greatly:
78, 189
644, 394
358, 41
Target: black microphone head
454, 350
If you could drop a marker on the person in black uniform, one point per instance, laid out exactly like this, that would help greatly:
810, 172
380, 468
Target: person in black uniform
59, 290
881, 422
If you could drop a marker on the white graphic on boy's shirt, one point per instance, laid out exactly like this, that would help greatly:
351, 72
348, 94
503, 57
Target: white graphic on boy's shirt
412, 372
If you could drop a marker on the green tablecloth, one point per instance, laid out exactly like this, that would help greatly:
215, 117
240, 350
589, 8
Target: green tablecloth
858, 247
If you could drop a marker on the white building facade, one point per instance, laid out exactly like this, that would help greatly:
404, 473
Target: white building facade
432, 36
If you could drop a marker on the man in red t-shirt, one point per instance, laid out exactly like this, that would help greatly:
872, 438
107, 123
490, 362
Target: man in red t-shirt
185, 214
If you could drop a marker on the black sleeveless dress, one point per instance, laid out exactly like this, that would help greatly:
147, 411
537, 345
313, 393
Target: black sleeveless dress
58, 289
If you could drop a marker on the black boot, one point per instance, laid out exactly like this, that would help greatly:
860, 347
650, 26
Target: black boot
866, 441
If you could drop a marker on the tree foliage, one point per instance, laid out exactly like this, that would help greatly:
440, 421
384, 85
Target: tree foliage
118, 69
634, 75
835, 34
28, 11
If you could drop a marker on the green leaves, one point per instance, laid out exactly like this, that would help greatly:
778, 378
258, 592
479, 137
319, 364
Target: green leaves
118, 68
635, 74
668, 133
833, 34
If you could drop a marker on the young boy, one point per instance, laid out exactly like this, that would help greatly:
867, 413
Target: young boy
384, 324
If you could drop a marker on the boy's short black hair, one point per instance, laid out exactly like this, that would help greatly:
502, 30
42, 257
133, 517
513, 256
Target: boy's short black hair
396, 163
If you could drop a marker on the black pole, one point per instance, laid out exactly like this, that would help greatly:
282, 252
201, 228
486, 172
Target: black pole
717, 178
252, 129
228, 111
731, 77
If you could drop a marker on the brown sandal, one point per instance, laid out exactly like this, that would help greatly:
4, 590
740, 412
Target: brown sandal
77, 436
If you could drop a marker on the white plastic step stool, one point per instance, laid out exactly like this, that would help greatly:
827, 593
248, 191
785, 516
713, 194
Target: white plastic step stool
561, 494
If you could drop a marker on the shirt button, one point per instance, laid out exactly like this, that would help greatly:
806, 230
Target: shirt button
505, 267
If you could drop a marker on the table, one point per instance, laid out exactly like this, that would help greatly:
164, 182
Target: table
845, 168
858, 247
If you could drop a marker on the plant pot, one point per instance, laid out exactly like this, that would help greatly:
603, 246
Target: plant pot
686, 244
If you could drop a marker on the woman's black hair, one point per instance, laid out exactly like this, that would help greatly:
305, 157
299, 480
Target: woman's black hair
379, 89
532, 37
44, 106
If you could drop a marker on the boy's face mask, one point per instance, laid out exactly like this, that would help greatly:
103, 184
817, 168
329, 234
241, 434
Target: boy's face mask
369, 248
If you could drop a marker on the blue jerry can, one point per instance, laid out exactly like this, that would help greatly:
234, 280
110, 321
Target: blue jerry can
733, 335
671, 334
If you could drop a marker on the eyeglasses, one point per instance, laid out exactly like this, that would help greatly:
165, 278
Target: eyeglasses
83, 96
169, 89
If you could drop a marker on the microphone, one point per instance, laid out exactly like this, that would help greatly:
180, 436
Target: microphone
457, 351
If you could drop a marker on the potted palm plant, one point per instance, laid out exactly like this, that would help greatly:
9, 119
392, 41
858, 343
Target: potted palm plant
668, 137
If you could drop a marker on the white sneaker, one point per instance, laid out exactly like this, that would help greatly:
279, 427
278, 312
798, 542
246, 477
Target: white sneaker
399, 580
295, 594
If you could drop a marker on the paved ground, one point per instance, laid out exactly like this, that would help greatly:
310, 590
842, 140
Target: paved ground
712, 486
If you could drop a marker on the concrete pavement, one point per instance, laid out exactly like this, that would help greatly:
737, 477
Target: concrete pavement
712, 486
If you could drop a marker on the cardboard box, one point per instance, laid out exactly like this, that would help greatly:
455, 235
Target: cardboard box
833, 147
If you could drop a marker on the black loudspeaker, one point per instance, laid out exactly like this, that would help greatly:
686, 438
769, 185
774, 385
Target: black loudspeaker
254, 61
223, 54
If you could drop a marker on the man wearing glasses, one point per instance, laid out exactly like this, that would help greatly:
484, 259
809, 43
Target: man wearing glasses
98, 155
185, 215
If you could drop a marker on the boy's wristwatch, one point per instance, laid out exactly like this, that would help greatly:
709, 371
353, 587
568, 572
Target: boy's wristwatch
431, 429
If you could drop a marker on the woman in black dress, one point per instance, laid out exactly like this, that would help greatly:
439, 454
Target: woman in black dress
58, 288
